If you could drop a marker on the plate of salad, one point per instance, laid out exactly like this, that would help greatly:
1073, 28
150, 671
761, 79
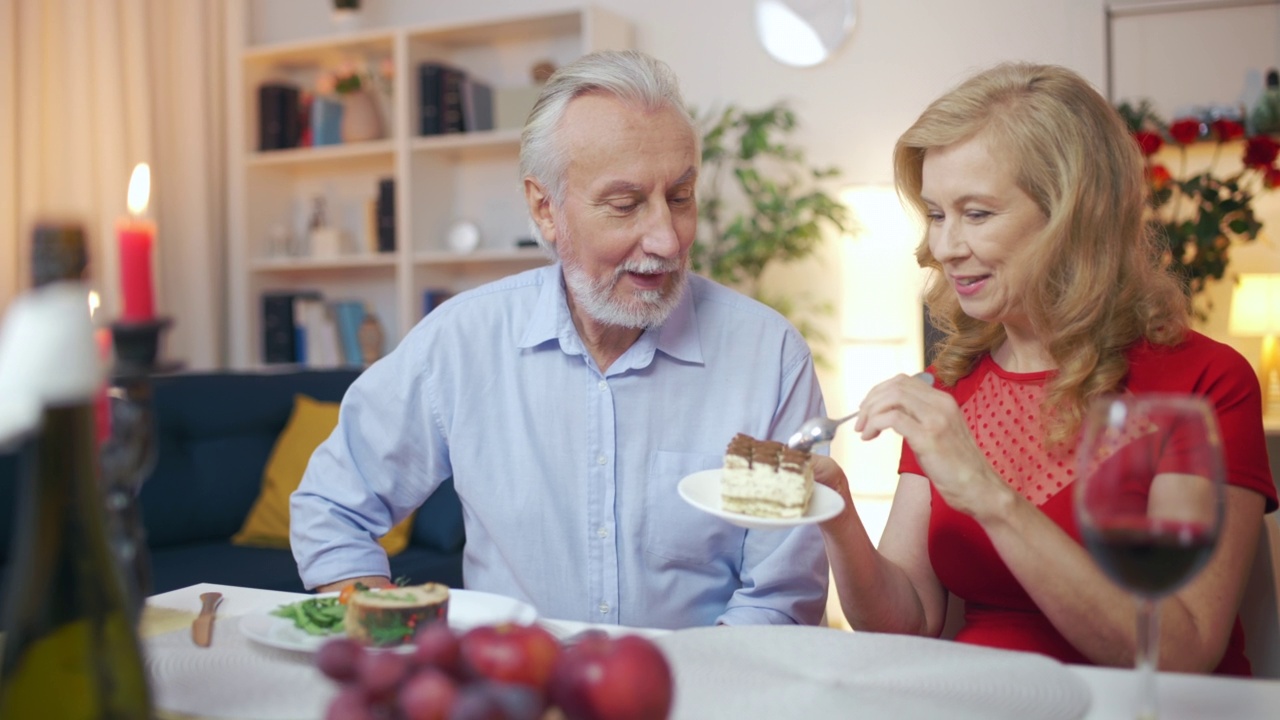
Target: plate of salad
305, 625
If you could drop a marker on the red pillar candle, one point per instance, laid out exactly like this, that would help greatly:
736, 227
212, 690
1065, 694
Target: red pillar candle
136, 235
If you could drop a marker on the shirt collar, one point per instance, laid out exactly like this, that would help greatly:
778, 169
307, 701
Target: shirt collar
677, 337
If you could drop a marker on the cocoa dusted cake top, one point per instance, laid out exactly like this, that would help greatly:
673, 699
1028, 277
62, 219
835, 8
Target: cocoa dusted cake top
766, 452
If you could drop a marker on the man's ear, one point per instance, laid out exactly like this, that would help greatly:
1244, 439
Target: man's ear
540, 209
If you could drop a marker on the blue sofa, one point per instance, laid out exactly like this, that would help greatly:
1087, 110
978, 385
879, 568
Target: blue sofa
216, 431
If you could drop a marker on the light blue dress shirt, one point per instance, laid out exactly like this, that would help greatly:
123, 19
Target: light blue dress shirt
567, 475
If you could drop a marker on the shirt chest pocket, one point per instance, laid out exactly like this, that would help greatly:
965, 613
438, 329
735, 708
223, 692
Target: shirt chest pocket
677, 531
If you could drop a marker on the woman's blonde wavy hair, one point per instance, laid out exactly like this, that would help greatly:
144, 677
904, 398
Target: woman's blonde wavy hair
1098, 283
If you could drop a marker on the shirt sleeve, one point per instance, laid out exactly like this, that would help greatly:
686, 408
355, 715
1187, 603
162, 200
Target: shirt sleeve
382, 461
784, 573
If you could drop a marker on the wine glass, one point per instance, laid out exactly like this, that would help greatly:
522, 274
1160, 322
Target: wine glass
1149, 502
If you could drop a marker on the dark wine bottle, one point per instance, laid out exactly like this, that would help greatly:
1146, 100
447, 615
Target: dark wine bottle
71, 648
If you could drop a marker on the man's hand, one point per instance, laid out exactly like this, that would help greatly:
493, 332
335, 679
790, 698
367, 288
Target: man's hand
371, 581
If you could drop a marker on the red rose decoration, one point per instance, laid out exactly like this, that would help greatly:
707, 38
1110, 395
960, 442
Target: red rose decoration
1204, 212
1272, 179
1260, 151
1185, 131
1227, 130
1148, 142
1159, 177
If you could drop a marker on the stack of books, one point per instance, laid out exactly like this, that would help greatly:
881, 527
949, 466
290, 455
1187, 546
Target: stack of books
451, 101
301, 327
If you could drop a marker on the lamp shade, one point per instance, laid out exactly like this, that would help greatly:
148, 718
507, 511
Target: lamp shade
1255, 305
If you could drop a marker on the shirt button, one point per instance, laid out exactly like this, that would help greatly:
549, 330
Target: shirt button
602, 533
604, 608
602, 460
603, 385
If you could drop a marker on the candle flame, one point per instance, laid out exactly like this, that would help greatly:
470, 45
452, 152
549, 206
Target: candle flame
139, 188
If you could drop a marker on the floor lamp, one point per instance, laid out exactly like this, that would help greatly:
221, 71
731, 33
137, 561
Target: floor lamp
1255, 312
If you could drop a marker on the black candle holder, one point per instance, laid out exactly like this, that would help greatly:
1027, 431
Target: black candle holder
137, 346
129, 453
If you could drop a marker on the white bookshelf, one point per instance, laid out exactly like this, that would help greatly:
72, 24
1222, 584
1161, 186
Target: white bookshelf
439, 179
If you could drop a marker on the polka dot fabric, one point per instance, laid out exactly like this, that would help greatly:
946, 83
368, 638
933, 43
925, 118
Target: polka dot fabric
1004, 416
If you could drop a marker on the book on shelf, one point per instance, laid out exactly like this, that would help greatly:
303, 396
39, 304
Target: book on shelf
282, 338
319, 333
477, 105
371, 225
432, 298
278, 116
451, 82
326, 121
348, 315
429, 83
278, 340
386, 210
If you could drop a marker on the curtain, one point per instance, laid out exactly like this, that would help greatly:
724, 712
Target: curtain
90, 88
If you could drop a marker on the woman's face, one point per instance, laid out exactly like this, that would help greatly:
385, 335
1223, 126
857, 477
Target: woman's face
980, 228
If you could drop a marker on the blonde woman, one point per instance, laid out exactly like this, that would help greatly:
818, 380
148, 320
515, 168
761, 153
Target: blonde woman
1049, 291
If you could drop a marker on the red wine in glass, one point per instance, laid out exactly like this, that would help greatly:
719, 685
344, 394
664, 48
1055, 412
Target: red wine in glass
1152, 561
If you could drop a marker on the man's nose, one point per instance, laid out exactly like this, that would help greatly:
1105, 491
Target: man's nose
660, 237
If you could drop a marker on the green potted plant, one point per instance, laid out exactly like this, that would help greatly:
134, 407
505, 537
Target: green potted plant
760, 204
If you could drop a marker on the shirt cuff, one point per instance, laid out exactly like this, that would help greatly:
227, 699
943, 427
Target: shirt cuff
371, 564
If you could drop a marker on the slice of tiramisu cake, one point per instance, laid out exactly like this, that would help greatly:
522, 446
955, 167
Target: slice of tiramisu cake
764, 478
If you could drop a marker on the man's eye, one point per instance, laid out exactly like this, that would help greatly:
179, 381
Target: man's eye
623, 207
682, 200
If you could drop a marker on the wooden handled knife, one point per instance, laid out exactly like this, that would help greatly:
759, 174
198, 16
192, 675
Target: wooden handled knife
202, 628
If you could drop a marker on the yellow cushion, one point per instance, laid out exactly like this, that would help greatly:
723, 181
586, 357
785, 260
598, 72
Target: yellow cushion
309, 425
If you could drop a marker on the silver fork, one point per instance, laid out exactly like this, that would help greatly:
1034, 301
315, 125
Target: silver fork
821, 430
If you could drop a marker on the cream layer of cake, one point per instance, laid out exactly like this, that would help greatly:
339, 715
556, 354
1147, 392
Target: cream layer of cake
764, 478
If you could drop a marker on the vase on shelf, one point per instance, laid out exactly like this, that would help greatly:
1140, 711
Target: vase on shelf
361, 120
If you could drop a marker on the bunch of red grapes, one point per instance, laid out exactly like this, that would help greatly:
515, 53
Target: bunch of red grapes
499, 672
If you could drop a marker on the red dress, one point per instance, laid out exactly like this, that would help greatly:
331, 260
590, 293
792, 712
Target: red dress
1001, 409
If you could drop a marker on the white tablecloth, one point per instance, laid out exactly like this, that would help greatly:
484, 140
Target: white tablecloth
731, 673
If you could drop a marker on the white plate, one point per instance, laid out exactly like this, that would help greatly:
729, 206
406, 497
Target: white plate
702, 490
467, 609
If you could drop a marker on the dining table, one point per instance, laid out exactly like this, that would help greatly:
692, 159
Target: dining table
730, 673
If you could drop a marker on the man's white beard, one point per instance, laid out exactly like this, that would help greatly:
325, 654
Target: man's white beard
650, 308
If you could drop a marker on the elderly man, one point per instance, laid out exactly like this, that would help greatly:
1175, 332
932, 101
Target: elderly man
568, 401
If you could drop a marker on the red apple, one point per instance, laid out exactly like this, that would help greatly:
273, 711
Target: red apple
510, 653
604, 678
